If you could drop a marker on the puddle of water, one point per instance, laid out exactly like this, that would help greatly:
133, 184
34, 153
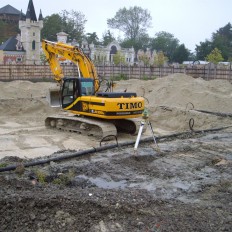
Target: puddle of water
181, 185
105, 184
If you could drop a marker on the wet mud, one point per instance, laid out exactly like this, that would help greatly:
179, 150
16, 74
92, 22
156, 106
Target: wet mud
184, 186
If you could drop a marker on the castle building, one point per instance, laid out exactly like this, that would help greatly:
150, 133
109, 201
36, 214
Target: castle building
30, 34
24, 48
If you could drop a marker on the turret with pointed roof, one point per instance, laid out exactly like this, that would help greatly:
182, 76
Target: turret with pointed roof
40, 15
31, 11
30, 34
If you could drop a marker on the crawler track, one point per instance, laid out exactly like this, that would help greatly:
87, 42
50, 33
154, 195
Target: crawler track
93, 127
86, 126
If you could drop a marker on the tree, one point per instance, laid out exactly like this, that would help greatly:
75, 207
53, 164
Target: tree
215, 56
133, 22
107, 37
145, 59
221, 39
92, 38
160, 59
73, 23
203, 50
119, 58
52, 25
166, 43
142, 42
181, 54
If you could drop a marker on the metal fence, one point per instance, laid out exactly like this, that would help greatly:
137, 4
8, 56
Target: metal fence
43, 72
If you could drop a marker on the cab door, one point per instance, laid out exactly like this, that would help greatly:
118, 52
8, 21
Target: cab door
68, 92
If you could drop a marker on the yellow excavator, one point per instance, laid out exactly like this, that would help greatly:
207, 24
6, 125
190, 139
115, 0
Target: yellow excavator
86, 109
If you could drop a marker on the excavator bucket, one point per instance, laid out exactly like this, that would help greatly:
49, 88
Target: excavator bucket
54, 97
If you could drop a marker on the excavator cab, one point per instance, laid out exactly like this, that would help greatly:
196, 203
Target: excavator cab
72, 88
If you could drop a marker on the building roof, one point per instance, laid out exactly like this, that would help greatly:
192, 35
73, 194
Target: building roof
62, 33
8, 9
31, 11
40, 15
10, 44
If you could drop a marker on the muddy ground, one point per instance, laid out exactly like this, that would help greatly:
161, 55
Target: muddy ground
185, 185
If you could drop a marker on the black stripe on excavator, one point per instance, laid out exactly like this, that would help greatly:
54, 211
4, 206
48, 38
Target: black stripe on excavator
79, 106
124, 113
93, 103
96, 103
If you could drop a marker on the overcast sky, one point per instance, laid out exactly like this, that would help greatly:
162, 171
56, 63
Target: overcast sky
190, 21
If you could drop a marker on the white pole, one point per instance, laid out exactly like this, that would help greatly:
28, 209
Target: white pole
139, 135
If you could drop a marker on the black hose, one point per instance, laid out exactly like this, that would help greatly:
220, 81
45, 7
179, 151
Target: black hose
191, 124
106, 147
104, 138
215, 113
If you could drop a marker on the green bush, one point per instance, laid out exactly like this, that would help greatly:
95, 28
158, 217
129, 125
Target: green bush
3, 165
120, 77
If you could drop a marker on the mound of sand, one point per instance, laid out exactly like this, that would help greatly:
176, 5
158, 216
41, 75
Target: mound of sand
178, 90
169, 100
24, 89
23, 109
25, 99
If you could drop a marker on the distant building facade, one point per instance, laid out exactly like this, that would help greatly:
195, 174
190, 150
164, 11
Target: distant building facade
100, 54
105, 54
24, 48
12, 52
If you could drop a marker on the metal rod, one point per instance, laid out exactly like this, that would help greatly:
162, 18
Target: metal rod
139, 135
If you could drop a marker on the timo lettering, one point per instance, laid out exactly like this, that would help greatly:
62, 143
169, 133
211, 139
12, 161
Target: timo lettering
129, 106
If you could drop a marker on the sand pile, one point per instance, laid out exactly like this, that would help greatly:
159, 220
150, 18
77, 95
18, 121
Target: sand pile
23, 109
169, 100
25, 99
24, 89
178, 90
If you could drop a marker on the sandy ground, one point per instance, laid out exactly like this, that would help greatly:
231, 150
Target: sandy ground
183, 186
170, 100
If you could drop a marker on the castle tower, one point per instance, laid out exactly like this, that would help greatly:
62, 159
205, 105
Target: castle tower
30, 34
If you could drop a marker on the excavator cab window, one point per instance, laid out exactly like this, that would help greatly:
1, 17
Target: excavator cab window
68, 92
76, 87
87, 87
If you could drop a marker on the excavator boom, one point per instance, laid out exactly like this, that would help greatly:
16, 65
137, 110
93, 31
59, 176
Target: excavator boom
52, 52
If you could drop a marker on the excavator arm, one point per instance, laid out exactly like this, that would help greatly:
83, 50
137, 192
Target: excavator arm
85, 66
